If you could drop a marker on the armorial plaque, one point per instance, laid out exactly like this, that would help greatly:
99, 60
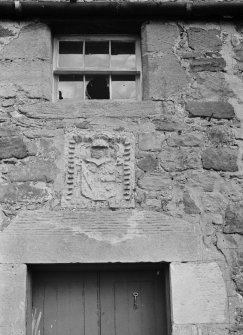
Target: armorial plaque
99, 170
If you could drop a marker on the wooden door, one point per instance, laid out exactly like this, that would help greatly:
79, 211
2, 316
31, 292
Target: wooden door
99, 303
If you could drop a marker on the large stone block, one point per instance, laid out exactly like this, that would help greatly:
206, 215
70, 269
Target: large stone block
82, 236
13, 299
33, 77
13, 146
220, 159
211, 109
179, 159
204, 40
198, 294
93, 109
161, 81
26, 192
25, 45
35, 169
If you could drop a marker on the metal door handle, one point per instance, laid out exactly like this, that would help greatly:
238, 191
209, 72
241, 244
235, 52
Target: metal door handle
135, 295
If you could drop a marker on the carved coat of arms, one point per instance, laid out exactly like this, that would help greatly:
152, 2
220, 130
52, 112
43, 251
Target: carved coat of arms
99, 170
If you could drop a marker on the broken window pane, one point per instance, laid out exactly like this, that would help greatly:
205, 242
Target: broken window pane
97, 54
70, 87
123, 55
97, 87
71, 54
123, 87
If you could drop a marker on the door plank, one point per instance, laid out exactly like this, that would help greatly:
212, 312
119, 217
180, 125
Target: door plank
118, 315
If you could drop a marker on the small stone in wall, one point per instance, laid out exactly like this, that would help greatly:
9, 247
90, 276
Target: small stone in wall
150, 141
179, 159
169, 125
219, 135
207, 64
189, 204
148, 163
185, 140
155, 182
234, 219
220, 159
210, 109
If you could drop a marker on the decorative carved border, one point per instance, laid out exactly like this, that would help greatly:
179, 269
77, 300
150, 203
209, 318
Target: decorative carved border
73, 162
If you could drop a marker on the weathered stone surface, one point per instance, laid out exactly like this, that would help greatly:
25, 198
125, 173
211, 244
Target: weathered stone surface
33, 76
198, 293
207, 64
189, 204
148, 163
234, 219
13, 146
8, 91
204, 40
161, 81
86, 237
212, 86
150, 141
164, 124
155, 182
75, 109
13, 299
5, 32
174, 159
201, 329
185, 140
220, 159
25, 46
35, 169
211, 109
24, 192
219, 135
239, 52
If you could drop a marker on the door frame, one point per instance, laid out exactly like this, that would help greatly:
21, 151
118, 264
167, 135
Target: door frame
88, 267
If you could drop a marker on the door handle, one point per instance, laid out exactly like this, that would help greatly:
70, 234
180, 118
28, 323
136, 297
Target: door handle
135, 295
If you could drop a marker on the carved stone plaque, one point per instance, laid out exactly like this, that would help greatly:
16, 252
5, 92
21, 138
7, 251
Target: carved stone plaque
99, 170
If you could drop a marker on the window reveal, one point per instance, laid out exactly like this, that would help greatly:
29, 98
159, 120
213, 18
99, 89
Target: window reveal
97, 68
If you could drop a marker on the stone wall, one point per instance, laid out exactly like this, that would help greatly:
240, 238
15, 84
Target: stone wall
185, 200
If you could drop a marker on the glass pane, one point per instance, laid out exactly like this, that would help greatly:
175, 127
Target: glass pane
123, 87
123, 55
97, 54
70, 87
71, 54
97, 87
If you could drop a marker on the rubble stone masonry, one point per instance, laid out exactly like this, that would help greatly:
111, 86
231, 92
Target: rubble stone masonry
180, 195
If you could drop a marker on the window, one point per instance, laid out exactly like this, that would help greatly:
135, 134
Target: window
104, 67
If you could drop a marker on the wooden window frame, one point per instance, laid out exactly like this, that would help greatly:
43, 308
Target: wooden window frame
92, 71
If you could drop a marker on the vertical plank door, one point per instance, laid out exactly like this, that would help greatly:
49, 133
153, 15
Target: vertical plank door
132, 303
65, 303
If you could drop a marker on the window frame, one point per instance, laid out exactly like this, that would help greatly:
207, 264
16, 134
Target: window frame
95, 71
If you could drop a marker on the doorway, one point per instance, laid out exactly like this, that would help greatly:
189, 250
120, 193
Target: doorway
105, 301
